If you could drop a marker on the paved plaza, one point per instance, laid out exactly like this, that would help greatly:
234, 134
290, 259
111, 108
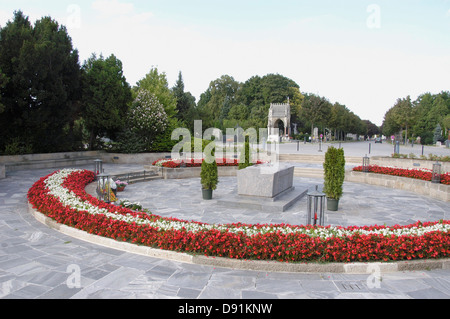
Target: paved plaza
39, 262
369, 148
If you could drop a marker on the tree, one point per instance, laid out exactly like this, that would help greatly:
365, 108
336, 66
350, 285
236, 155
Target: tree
277, 88
257, 93
372, 129
185, 104
437, 136
422, 107
157, 84
209, 177
405, 115
14, 90
439, 110
296, 99
41, 91
239, 112
420, 117
106, 97
338, 120
316, 110
390, 125
400, 116
218, 99
245, 156
446, 124
251, 93
147, 118
3, 82
334, 173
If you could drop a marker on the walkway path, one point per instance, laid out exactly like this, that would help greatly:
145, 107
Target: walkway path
362, 148
39, 262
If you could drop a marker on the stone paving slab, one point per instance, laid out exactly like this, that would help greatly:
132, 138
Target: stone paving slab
40, 267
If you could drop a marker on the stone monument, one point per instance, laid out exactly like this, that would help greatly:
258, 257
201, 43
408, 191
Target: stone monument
279, 113
265, 180
266, 187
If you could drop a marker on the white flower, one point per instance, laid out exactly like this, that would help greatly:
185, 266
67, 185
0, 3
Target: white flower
55, 186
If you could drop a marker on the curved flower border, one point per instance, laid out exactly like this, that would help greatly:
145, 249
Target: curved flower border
422, 174
62, 197
195, 162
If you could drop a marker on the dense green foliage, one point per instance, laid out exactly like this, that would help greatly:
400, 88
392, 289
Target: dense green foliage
106, 97
228, 103
186, 106
209, 176
334, 172
245, 157
146, 120
335, 119
40, 86
428, 117
49, 102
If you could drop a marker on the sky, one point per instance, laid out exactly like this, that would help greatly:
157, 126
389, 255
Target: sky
362, 54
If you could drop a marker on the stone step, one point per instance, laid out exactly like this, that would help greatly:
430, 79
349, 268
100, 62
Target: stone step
281, 204
136, 177
308, 172
305, 158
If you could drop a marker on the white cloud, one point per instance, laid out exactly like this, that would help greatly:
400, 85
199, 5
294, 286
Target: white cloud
346, 64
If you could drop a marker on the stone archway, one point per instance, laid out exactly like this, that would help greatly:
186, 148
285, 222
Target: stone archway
281, 127
279, 116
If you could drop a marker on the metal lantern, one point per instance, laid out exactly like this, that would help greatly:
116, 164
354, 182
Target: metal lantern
436, 174
98, 166
366, 164
316, 208
103, 188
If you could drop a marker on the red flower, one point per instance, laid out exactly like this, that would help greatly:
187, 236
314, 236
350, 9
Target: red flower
290, 247
411, 173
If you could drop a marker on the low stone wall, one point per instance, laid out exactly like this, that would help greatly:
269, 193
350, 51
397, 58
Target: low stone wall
407, 163
308, 158
47, 156
142, 158
2, 171
421, 187
191, 172
50, 160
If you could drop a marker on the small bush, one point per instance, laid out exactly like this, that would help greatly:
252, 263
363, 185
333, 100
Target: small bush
334, 172
209, 176
245, 159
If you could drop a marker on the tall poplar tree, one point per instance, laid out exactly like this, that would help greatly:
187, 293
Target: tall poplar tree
185, 103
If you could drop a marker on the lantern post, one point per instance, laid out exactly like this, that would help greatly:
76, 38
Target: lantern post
436, 174
316, 208
103, 188
366, 164
98, 167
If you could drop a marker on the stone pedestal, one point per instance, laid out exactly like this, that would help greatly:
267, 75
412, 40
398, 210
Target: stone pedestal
265, 188
266, 180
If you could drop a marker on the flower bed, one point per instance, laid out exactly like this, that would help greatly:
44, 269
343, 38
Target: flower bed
176, 163
61, 196
422, 174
